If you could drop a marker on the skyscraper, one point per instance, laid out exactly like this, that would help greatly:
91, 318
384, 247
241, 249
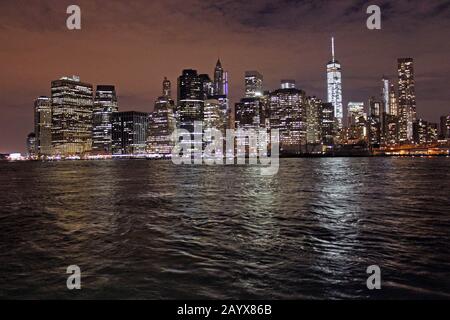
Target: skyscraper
327, 121
406, 98
374, 122
288, 114
219, 79
251, 114
31, 145
207, 86
385, 96
190, 106
445, 127
334, 86
253, 84
129, 133
162, 124
105, 104
43, 126
72, 104
393, 102
313, 125
190, 99
357, 124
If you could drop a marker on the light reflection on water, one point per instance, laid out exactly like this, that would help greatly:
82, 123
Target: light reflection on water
149, 229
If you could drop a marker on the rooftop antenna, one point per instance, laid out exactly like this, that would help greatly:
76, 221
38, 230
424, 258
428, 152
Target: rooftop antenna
332, 48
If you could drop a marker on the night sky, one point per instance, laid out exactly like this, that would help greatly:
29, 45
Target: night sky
134, 44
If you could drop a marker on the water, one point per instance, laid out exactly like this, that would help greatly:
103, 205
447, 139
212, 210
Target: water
152, 230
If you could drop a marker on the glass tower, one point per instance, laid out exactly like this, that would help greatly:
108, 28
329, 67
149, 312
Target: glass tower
334, 86
105, 105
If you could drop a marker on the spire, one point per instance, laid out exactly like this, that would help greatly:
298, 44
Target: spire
332, 49
218, 64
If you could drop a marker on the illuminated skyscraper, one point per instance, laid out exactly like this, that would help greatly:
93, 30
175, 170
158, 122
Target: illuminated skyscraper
219, 79
357, 122
105, 104
374, 122
406, 98
327, 121
313, 124
129, 134
190, 107
162, 124
393, 103
43, 125
253, 84
190, 100
31, 145
389, 129
445, 127
334, 85
385, 97
207, 86
72, 104
288, 114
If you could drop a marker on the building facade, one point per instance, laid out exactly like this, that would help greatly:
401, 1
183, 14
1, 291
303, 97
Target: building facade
43, 126
334, 87
253, 84
288, 115
129, 133
72, 105
105, 104
406, 99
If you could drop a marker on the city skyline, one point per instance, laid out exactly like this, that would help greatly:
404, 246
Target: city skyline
138, 80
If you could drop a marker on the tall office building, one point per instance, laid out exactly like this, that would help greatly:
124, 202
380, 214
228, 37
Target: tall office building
220, 80
445, 127
393, 102
129, 133
334, 86
190, 108
251, 114
420, 131
105, 104
406, 98
288, 114
162, 124
374, 122
43, 126
355, 112
207, 86
253, 84
385, 96
313, 123
72, 105
31, 145
357, 122
327, 122
389, 129
190, 100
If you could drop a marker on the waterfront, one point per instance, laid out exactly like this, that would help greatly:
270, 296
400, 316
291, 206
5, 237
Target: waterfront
153, 230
